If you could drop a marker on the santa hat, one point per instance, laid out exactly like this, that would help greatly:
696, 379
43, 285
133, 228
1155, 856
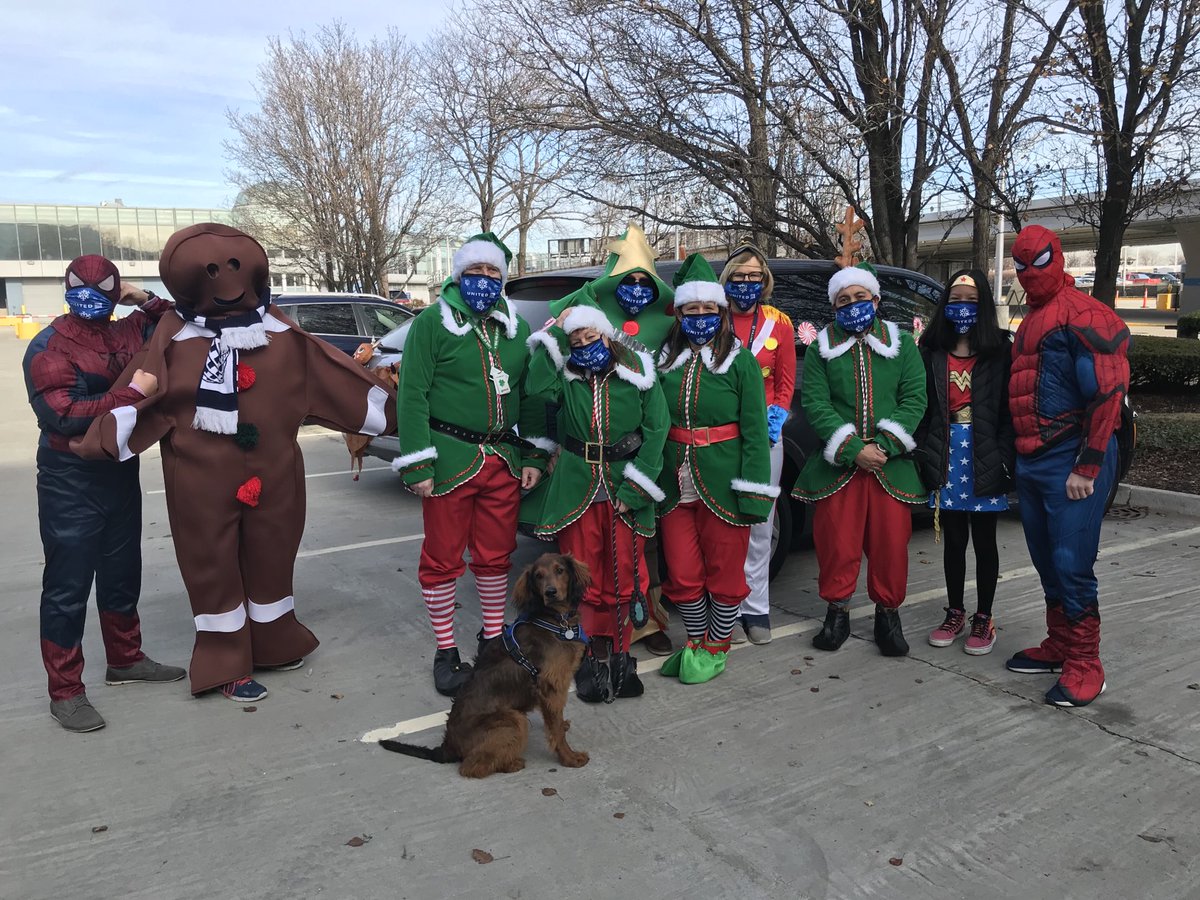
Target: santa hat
482, 248
696, 282
862, 275
588, 317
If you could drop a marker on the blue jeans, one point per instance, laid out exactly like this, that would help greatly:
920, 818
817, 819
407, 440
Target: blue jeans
1063, 535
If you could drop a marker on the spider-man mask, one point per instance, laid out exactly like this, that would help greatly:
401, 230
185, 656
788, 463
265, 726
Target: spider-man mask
215, 270
1038, 258
93, 286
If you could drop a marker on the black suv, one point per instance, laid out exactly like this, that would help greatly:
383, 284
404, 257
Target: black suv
801, 291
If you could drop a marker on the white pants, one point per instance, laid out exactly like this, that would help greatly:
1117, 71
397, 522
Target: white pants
758, 557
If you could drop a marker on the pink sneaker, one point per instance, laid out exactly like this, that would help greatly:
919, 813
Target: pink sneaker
983, 635
946, 633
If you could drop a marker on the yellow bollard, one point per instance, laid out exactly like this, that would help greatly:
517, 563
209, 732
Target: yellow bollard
27, 329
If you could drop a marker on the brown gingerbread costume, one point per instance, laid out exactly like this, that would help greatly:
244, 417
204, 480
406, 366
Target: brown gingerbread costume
236, 380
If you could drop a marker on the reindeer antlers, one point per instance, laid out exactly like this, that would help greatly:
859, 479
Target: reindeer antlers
847, 228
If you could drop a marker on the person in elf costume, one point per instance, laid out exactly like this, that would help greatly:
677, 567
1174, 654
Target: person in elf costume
90, 511
638, 304
767, 333
864, 395
235, 381
716, 472
462, 393
601, 497
1069, 377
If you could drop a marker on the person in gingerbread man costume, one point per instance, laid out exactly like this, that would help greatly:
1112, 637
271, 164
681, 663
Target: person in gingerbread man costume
90, 511
236, 380
1069, 378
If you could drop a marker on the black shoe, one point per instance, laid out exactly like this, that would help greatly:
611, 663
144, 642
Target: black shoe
835, 630
449, 672
631, 685
483, 643
888, 633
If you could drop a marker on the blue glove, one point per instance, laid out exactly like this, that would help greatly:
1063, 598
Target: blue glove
776, 416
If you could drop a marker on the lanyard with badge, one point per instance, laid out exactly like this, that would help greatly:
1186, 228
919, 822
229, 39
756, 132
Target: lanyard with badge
500, 380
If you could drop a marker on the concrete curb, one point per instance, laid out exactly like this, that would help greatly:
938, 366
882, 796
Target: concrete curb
1158, 500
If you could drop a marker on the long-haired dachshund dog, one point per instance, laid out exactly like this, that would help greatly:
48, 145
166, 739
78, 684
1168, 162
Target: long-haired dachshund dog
488, 727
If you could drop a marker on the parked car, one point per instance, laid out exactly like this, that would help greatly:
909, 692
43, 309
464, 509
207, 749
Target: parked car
1087, 280
344, 320
801, 291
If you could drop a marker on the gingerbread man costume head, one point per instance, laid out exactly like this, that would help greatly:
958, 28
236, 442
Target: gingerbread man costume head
215, 270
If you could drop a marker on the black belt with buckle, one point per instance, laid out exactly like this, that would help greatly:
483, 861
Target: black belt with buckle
479, 437
596, 453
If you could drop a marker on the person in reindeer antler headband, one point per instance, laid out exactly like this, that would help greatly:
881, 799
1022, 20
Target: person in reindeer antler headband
90, 512
864, 394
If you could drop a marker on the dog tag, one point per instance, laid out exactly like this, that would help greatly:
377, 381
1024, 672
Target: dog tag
569, 634
500, 380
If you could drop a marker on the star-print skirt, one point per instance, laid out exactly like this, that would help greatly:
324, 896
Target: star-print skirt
959, 492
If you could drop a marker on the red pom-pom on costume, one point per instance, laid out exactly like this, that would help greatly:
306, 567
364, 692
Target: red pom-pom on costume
631, 328
250, 491
246, 376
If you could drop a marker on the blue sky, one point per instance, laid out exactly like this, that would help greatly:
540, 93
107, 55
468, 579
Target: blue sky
127, 99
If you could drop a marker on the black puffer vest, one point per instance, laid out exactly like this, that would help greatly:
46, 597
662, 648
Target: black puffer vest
991, 424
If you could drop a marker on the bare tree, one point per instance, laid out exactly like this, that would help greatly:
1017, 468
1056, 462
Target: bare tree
1136, 65
333, 163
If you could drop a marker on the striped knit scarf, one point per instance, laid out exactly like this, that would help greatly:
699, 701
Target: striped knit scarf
216, 397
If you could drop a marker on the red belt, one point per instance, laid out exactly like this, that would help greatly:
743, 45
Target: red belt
702, 437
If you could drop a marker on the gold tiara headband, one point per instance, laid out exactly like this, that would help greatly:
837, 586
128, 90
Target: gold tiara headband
964, 279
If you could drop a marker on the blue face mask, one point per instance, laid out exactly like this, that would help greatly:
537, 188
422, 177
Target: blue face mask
962, 316
857, 317
89, 303
594, 356
700, 328
744, 294
479, 291
633, 298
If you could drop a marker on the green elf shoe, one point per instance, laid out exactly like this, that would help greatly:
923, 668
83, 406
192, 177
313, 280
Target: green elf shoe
674, 663
705, 663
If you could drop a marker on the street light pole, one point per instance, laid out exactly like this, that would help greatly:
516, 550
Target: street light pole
1000, 259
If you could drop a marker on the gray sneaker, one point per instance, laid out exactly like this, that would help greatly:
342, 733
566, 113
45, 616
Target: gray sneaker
759, 634
76, 714
145, 669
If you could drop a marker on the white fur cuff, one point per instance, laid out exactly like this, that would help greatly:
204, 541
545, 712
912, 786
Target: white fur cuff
411, 459
638, 477
896, 430
835, 443
544, 444
546, 340
753, 487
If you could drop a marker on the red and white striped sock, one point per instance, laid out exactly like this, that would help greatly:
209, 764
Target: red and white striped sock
439, 603
493, 596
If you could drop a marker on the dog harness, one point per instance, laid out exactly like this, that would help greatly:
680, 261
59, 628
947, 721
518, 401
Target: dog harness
560, 629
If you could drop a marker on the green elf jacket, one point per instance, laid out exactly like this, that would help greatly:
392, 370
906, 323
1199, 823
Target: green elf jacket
628, 399
446, 374
733, 477
858, 391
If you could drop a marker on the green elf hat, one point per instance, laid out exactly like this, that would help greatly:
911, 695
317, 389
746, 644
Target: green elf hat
695, 281
482, 248
862, 275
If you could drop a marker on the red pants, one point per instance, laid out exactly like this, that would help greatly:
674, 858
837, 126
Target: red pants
482, 515
704, 554
589, 540
861, 518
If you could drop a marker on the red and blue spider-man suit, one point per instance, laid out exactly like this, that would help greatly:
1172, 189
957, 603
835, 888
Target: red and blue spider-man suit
1069, 378
90, 512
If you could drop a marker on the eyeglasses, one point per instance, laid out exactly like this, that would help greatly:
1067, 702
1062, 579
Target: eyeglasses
756, 277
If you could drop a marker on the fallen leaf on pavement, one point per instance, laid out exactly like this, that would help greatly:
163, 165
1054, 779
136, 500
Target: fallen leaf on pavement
618, 815
797, 671
482, 857
919, 680
358, 840
249, 709
868, 802
896, 861
99, 829
815, 690
549, 792
337, 696
1194, 686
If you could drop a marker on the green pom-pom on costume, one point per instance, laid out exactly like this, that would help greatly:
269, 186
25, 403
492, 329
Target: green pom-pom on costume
247, 436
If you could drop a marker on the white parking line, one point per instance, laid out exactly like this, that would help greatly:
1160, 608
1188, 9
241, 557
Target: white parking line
382, 542
345, 472
434, 720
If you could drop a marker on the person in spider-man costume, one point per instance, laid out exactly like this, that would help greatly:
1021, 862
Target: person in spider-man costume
90, 512
1069, 378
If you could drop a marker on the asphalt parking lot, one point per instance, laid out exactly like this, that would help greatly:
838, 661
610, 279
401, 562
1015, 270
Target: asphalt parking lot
794, 775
